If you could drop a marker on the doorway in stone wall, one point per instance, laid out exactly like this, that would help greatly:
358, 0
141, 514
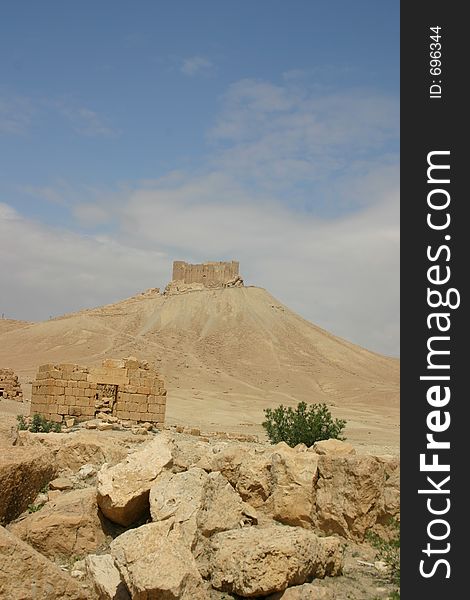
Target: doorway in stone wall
106, 398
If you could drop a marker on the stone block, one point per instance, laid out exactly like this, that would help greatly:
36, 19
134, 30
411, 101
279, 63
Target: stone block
123, 414
115, 363
78, 376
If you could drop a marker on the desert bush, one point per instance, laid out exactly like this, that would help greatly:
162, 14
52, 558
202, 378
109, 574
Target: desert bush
306, 424
22, 425
38, 424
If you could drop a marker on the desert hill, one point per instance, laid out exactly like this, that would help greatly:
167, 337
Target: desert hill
225, 355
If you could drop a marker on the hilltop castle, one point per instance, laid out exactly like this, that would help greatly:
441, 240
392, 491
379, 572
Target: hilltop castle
209, 274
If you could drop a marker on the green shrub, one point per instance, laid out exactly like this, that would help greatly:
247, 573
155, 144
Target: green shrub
22, 426
38, 424
305, 424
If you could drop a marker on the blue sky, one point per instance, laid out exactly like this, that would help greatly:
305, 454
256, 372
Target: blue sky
135, 133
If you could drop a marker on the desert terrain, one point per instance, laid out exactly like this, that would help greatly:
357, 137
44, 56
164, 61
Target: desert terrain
202, 507
225, 355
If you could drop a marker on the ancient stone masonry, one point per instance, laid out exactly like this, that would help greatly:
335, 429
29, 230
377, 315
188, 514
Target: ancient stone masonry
126, 389
9, 385
210, 274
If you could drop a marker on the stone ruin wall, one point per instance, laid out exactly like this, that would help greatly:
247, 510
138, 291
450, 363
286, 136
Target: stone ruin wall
210, 274
127, 389
10, 386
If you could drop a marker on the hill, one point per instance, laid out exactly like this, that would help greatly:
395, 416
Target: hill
225, 354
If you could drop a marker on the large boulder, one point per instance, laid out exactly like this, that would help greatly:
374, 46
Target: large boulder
156, 564
72, 450
123, 490
23, 472
176, 499
25, 574
222, 508
332, 446
69, 525
349, 494
253, 475
392, 487
188, 451
106, 578
197, 502
260, 561
293, 476
276, 479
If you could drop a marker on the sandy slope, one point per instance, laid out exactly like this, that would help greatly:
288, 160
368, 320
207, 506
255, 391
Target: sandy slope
225, 354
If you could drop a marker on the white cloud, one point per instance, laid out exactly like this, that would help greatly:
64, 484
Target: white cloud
15, 115
48, 271
195, 65
284, 136
87, 122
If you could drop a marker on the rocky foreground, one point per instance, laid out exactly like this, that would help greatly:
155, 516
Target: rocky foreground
99, 516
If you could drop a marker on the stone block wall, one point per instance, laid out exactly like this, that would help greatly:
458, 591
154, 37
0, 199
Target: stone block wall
126, 388
210, 274
9, 385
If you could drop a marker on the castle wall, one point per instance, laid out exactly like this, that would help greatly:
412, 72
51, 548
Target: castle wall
9, 385
127, 389
210, 274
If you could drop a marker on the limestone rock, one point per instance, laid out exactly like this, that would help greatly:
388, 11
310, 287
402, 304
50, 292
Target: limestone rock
257, 562
254, 477
23, 473
106, 577
198, 502
70, 525
392, 486
189, 451
86, 471
349, 494
336, 447
104, 426
293, 475
223, 508
123, 490
177, 498
72, 450
156, 564
61, 484
25, 574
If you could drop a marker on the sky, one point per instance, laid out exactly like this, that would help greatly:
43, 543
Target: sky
137, 133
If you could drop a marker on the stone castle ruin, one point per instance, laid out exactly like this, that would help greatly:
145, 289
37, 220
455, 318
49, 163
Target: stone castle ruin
204, 275
10, 386
127, 389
